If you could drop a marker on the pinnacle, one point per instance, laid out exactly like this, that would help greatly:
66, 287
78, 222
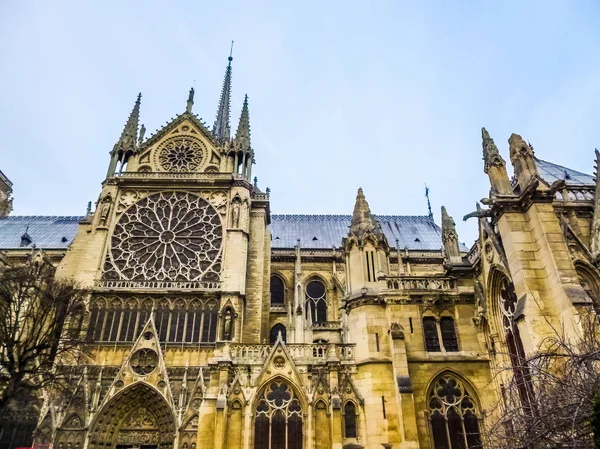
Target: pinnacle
129, 135
221, 128
242, 135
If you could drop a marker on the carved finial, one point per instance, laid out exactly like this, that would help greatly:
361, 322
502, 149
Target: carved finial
88, 211
523, 160
190, 100
268, 191
494, 166
221, 128
450, 239
255, 182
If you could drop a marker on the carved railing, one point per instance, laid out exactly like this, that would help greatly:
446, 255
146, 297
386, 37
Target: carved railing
159, 285
575, 193
301, 353
420, 283
178, 175
326, 325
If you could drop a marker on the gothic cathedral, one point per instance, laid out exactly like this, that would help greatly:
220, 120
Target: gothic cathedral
213, 323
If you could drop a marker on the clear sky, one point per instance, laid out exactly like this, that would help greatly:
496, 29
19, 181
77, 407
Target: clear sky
387, 96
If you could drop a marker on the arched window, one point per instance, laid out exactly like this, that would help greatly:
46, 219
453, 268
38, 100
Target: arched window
508, 306
275, 330
278, 422
590, 283
453, 415
350, 420
277, 291
316, 301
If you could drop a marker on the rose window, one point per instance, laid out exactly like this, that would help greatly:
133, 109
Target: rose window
182, 154
167, 236
144, 361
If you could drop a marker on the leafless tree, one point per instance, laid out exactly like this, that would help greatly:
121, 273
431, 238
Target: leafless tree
40, 331
565, 373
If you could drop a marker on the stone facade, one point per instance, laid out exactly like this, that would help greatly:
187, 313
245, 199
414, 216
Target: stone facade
213, 324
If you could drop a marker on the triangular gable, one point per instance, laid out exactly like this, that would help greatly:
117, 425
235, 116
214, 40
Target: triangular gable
279, 363
349, 390
75, 413
173, 124
145, 363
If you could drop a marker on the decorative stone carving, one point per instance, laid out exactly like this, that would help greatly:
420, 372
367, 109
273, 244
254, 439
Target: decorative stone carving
181, 154
144, 361
105, 210
397, 331
166, 236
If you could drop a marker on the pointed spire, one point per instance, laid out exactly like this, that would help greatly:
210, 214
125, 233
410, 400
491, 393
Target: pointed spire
523, 160
450, 239
128, 138
362, 220
190, 101
242, 135
221, 128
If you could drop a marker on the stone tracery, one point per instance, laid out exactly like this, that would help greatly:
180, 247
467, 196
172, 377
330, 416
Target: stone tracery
181, 154
166, 236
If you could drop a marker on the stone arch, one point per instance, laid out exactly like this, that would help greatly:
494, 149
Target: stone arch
589, 280
454, 411
294, 407
160, 428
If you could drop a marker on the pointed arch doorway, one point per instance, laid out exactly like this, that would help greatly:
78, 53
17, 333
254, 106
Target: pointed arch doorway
138, 417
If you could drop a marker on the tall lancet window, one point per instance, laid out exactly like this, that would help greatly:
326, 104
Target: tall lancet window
278, 421
508, 307
316, 301
453, 414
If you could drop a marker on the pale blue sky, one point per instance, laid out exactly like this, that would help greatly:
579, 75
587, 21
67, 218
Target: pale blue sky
384, 95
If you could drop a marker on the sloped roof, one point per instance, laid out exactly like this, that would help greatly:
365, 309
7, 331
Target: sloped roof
314, 231
551, 172
45, 232
327, 231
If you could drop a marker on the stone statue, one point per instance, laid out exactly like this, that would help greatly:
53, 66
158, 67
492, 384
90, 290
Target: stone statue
227, 325
480, 303
235, 214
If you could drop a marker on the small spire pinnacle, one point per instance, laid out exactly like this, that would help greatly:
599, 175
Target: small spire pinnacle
242, 136
428, 202
88, 211
450, 239
190, 101
128, 138
221, 128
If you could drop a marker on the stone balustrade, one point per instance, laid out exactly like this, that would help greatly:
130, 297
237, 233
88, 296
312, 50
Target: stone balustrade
300, 353
158, 285
420, 283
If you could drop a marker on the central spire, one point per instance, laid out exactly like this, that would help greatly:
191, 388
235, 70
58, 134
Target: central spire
221, 128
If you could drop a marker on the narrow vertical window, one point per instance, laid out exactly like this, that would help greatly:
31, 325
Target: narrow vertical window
432, 342
368, 266
383, 407
448, 334
316, 301
373, 265
277, 291
350, 420
410, 324
93, 324
377, 341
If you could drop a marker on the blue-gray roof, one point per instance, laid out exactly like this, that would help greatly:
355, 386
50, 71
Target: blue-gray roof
553, 172
327, 231
44, 232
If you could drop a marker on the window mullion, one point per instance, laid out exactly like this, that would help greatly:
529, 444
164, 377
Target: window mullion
438, 327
